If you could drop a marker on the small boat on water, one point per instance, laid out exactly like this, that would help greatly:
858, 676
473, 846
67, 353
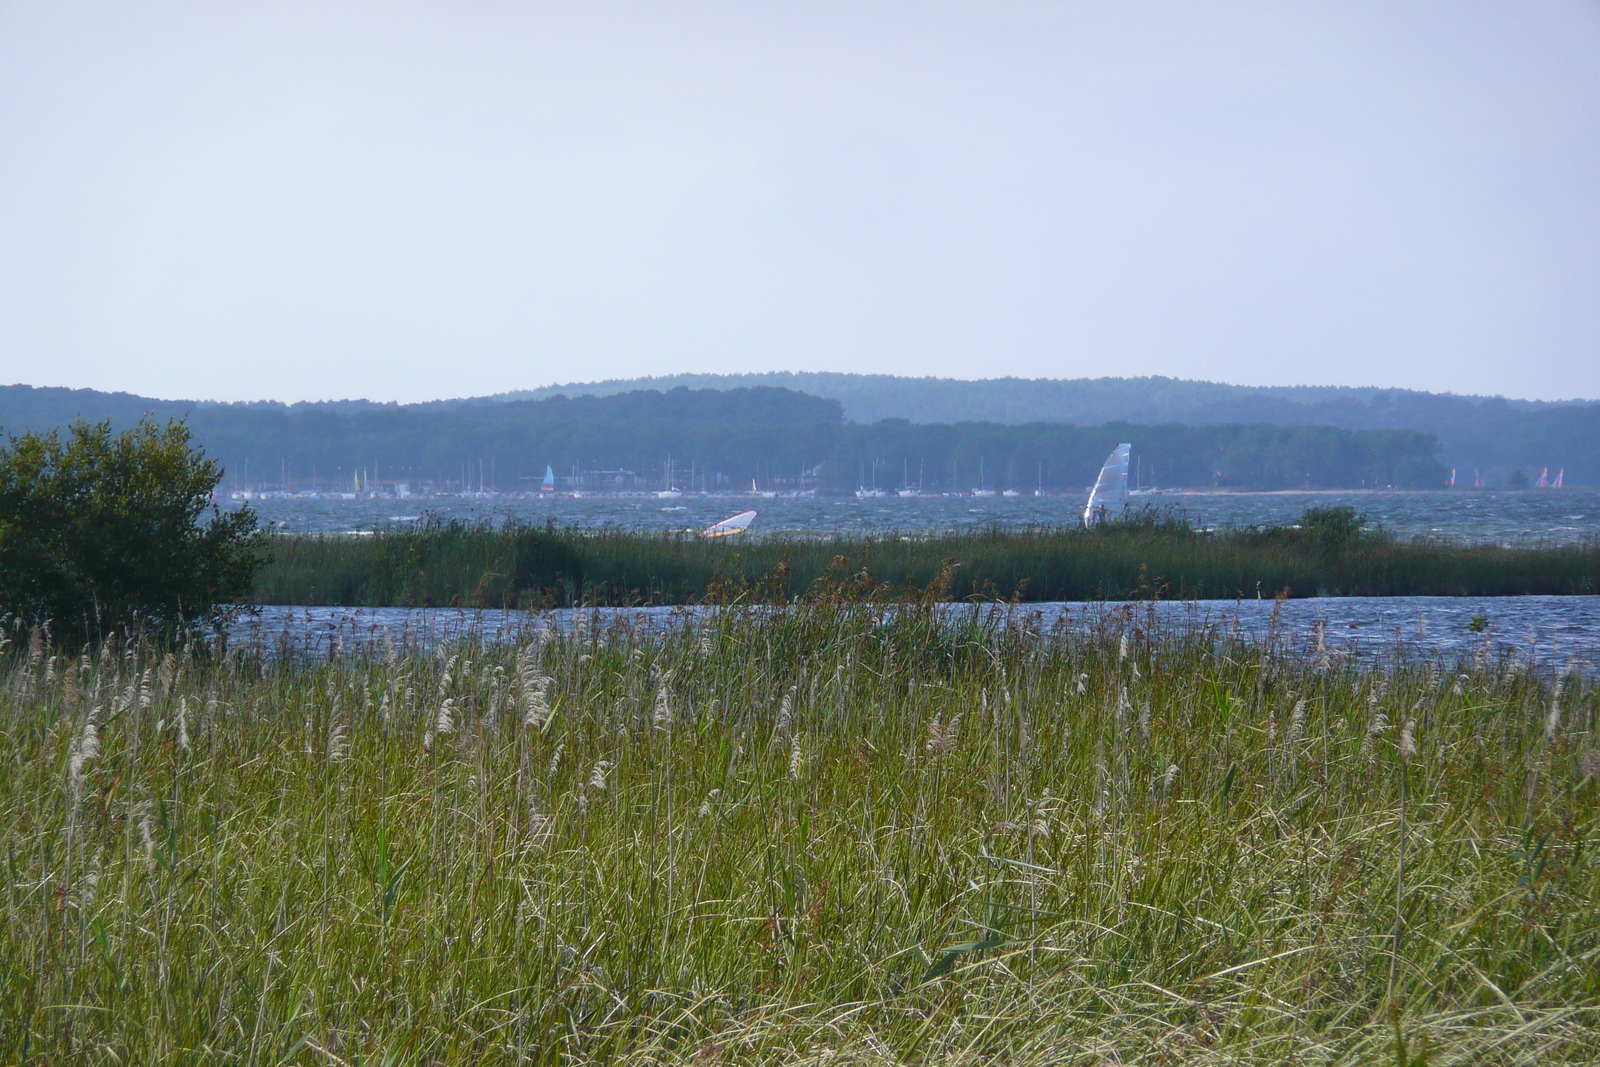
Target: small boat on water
549, 483
980, 490
668, 492
733, 524
1110, 493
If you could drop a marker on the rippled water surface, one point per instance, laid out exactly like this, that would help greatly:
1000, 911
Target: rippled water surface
1533, 515
1543, 631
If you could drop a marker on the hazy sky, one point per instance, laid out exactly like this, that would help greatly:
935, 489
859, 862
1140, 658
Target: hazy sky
407, 201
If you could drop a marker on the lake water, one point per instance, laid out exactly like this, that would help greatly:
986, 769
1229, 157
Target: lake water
1544, 632
1564, 515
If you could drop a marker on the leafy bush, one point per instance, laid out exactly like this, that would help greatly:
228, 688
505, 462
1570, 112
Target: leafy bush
1332, 528
108, 531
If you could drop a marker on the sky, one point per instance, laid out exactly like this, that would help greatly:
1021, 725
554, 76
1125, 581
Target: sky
409, 201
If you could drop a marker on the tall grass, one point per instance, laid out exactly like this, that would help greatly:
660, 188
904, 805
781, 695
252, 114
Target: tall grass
453, 564
809, 834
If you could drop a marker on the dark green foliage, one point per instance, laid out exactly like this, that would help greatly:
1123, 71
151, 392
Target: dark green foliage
1493, 434
430, 564
1253, 456
1147, 555
768, 434
1332, 529
105, 531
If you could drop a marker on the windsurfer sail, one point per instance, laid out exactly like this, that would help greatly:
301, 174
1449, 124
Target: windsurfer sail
549, 483
1110, 493
733, 524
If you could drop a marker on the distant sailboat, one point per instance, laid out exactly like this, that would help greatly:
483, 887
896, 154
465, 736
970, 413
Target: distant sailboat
981, 491
1452, 482
549, 483
1560, 474
669, 493
1110, 493
865, 493
733, 524
906, 488
1544, 478
1477, 480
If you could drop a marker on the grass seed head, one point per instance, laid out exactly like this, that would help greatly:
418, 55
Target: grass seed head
705, 805
1297, 722
147, 837
538, 710
661, 717
1552, 722
85, 749
785, 712
1375, 730
338, 744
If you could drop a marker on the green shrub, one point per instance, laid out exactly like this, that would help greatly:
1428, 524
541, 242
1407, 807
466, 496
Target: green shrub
110, 531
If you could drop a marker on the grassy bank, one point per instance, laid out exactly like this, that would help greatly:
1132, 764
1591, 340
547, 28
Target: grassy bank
451, 564
801, 836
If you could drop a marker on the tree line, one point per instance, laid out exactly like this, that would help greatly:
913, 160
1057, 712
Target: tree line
779, 437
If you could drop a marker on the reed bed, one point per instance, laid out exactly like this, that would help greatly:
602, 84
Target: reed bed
463, 565
815, 833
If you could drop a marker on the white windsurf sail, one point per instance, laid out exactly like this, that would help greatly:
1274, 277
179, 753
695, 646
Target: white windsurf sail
733, 524
1110, 493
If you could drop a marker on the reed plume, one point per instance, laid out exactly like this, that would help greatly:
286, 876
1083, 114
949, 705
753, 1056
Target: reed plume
84, 750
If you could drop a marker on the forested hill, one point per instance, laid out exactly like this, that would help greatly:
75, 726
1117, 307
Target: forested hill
726, 438
1493, 434
1085, 401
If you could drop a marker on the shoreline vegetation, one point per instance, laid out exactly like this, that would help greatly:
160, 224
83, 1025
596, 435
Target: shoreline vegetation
1146, 556
808, 836
831, 430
